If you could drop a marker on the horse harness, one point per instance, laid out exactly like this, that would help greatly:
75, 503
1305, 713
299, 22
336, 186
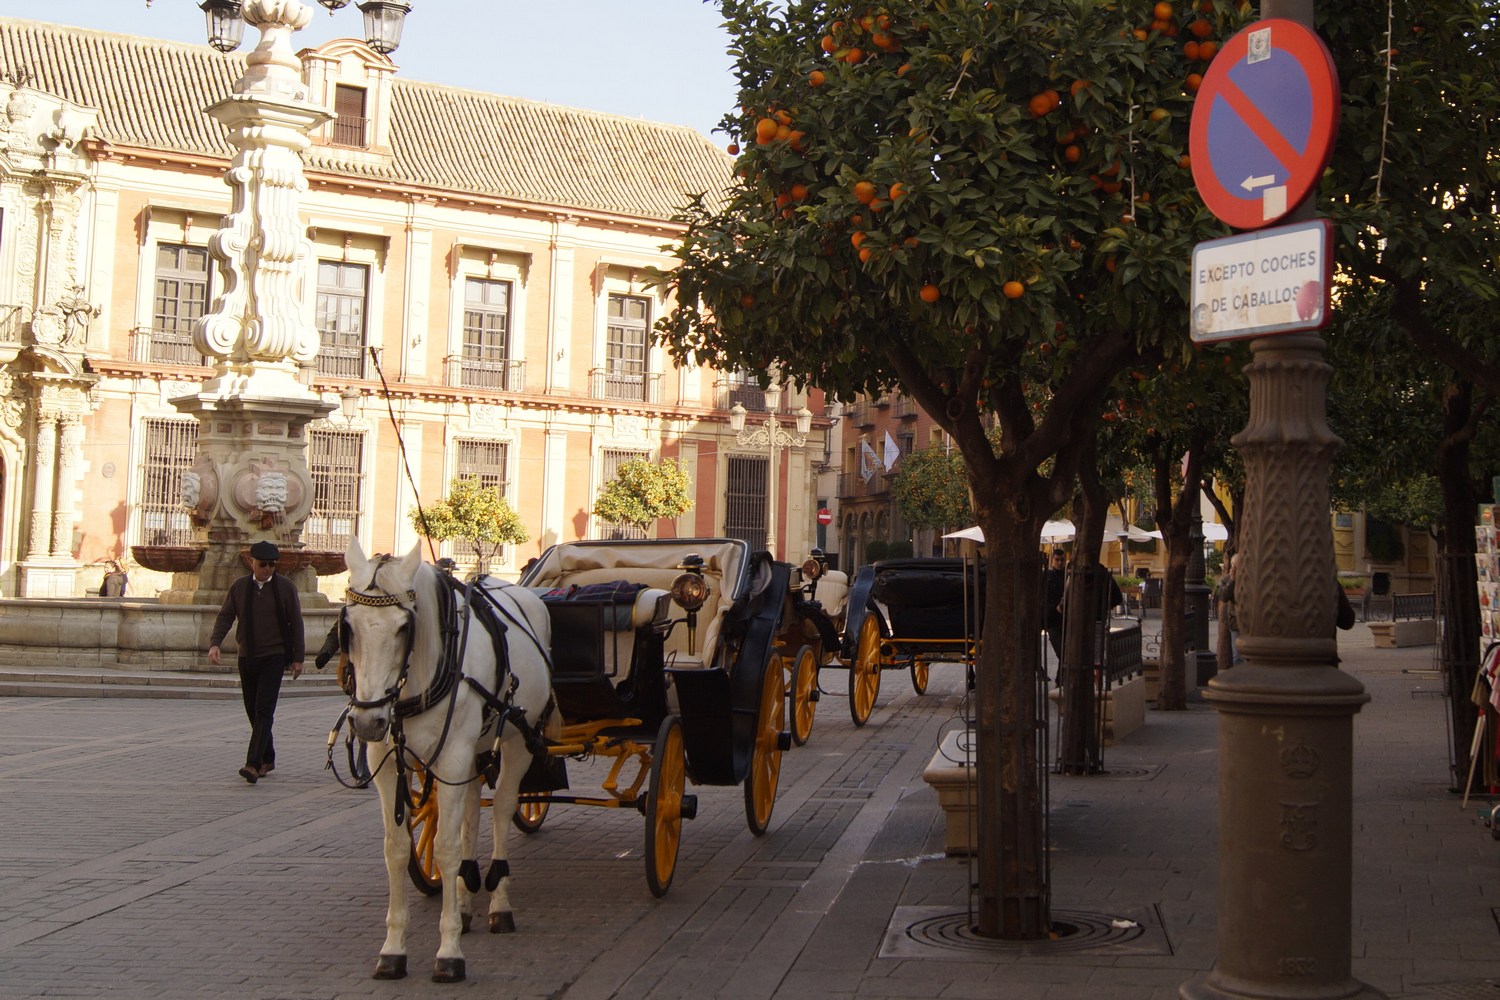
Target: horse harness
499, 708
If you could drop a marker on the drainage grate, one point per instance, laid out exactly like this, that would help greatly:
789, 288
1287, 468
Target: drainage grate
1487, 989
938, 932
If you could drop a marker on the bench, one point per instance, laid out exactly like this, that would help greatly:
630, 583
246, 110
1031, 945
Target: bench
1413, 622
1122, 685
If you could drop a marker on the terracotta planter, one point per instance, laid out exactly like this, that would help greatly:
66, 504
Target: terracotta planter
328, 563
168, 558
291, 560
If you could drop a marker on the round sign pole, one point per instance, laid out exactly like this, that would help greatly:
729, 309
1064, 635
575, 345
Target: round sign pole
1286, 714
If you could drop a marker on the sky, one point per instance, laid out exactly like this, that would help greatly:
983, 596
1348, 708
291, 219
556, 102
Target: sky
661, 60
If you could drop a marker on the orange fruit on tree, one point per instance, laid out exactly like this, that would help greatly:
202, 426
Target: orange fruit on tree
1201, 28
1193, 82
856, 238
1141, 34
1157, 114
854, 55
904, 69
1076, 86
829, 43
898, 191
1207, 50
816, 78
1190, 52
929, 293
864, 254
1073, 154
864, 192
733, 149
1163, 11
783, 117
783, 131
1013, 289
1185, 162
765, 130
799, 191
1043, 103
747, 300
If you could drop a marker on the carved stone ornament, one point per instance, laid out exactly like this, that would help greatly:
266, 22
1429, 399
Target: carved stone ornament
267, 490
200, 490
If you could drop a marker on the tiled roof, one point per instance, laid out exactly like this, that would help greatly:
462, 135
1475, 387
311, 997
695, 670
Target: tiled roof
150, 93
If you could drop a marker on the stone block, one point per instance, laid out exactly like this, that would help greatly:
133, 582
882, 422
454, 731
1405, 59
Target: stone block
951, 775
1407, 632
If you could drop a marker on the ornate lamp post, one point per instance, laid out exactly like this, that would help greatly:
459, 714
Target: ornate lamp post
251, 479
773, 437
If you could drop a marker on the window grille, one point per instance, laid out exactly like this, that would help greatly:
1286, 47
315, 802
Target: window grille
486, 350
609, 467
336, 461
342, 292
745, 503
744, 389
169, 449
625, 347
181, 297
349, 116
485, 461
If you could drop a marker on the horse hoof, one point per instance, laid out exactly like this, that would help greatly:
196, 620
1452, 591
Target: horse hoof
448, 970
503, 923
390, 967
468, 919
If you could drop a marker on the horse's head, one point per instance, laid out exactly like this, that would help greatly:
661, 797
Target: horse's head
378, 626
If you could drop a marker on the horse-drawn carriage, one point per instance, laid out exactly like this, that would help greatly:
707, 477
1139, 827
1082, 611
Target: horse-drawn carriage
906, 614
810, 636
662, 659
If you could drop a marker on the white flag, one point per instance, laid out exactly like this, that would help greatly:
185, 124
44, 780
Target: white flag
891, 452
868, 463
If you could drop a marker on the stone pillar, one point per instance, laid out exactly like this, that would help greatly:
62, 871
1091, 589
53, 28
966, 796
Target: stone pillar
1286, 717
69, 454
44, 485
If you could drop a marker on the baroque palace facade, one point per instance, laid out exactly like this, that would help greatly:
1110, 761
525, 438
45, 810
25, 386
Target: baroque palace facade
478, 281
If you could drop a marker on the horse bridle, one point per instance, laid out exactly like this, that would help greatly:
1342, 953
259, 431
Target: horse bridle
444, 679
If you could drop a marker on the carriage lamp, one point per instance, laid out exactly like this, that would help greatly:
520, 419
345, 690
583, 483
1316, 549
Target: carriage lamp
812, 569
690, 591
226, 29
384, 20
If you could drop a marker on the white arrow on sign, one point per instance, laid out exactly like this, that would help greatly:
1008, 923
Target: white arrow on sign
1251, 183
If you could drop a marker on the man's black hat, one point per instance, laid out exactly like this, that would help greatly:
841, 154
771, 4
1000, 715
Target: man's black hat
265, 551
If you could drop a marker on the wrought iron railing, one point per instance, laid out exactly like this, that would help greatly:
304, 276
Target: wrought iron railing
638, 388
504, 376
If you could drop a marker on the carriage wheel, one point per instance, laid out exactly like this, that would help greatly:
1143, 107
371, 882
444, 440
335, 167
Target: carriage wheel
919, 675
664, 806
864, 672
528, 816
422, 824
804, 694
765, 756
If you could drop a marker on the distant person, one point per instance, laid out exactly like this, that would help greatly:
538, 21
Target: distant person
1054, 587
1228, 614
269, 633
115, 581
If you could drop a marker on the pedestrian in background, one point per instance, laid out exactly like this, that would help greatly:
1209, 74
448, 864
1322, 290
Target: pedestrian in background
1228, 617
1054, 586
269, 633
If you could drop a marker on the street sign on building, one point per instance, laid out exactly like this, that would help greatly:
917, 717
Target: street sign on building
825, 516
1264, 122
1272, 281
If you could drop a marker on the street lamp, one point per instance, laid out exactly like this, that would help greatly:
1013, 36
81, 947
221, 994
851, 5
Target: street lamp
226, 19
771, 436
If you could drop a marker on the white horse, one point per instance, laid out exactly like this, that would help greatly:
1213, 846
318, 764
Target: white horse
405, 630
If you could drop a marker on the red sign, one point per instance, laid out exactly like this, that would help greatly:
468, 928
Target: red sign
1264, 123
825, 516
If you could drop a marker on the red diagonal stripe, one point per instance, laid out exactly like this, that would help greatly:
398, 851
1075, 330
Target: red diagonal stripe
1264, 129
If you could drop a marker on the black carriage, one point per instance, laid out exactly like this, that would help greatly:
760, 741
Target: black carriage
663, 660
906, 614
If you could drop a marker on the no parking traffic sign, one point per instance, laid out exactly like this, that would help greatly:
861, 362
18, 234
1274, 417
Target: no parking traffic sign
1264, 122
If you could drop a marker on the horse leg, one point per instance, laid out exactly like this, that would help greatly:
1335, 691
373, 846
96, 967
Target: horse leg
447, 850
514, 761
470, 849
392, 961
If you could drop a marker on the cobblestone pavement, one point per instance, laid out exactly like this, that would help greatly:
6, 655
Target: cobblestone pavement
134, 862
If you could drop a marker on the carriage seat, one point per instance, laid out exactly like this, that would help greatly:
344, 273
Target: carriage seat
648, 608
832, 592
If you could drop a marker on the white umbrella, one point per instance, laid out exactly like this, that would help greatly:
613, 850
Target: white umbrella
1213, 531
1113, 528
1052, 531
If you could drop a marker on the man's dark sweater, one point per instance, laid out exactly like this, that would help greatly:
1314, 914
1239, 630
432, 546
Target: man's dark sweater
264, 625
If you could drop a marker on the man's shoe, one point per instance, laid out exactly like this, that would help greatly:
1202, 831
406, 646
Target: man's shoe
250, 774
266, 769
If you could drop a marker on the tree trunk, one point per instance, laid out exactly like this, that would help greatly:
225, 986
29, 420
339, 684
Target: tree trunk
1012, 876
1174, 517
1458, 596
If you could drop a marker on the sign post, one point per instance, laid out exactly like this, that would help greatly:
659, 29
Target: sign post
1262, 133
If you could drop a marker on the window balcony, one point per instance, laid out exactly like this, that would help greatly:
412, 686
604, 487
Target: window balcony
625, 386
861, 414
503, 375
903, 408
341, 362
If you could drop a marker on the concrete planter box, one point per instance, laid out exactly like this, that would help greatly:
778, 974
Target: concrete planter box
951, 775
1408, 632
1124, 708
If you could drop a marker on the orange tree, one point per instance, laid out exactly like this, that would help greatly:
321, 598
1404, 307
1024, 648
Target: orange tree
989, 204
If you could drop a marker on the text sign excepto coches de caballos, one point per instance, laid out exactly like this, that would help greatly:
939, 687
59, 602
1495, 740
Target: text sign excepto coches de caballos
1254, 284
1264, 123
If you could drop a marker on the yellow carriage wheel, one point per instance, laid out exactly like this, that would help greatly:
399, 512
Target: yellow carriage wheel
765, 756
421, 825
919, 675
864, 672
804, 694
664, 806
529, 816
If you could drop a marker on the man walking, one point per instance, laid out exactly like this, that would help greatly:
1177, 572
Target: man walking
270, 638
